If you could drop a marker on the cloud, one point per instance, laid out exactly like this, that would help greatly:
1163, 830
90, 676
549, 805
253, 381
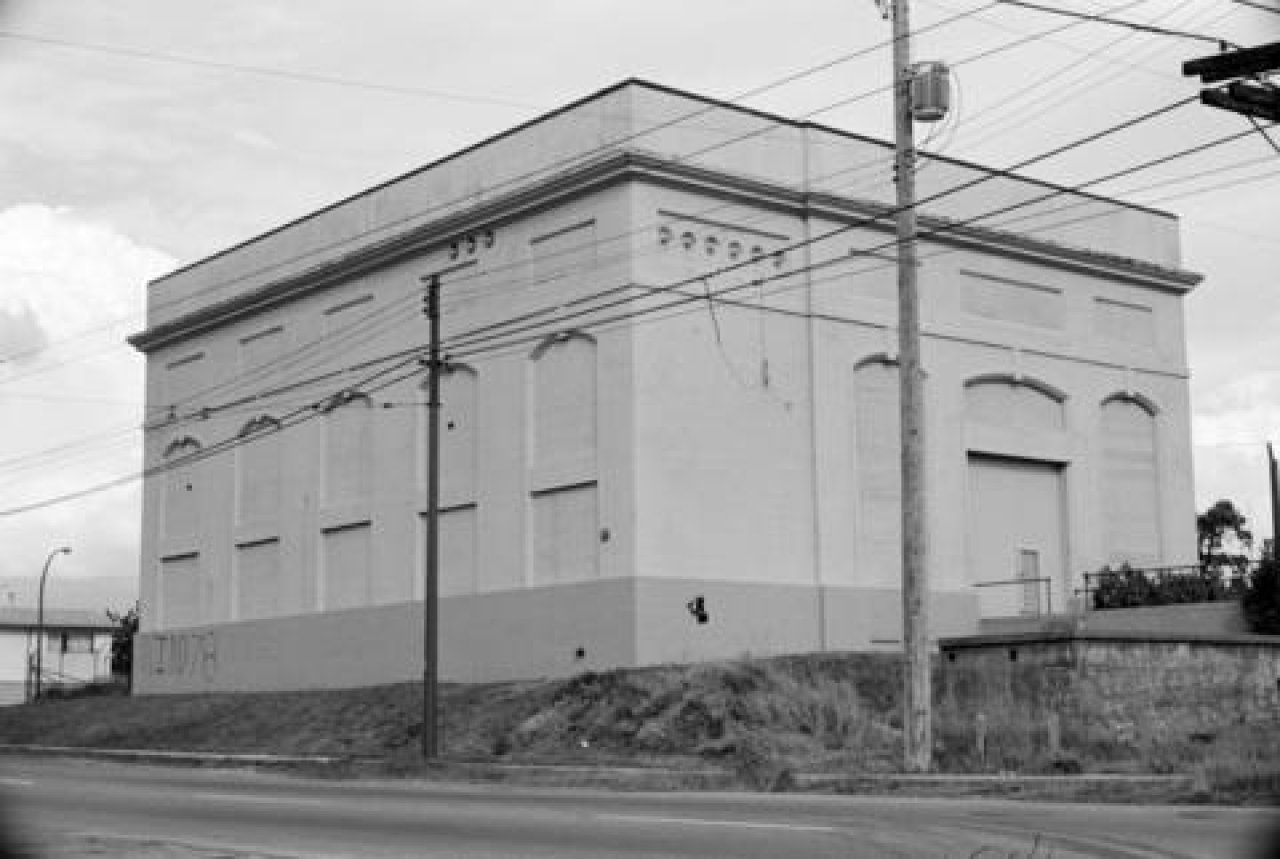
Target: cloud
1232, 424
72, 412
21, 337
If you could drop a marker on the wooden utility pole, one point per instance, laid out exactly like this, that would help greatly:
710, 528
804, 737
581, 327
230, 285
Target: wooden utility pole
1274, 472
431, 585
917, 716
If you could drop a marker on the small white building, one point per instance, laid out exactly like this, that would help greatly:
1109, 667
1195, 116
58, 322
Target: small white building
77, 649
671, 327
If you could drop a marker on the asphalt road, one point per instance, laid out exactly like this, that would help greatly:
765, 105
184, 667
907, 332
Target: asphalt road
68, 808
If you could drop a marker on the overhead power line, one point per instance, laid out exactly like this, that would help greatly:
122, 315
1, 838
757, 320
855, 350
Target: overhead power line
491, 343
1274, 10
152, 56
1132, 25
310, 78
315, 407
418, 216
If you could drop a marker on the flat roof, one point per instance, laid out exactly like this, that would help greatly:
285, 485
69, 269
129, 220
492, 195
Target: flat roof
774, 118
24, 617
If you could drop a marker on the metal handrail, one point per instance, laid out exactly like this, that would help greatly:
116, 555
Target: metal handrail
1046, 580
1220, 581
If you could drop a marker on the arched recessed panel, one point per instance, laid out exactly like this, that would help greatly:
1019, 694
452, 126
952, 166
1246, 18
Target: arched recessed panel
1016, 403
258, 472
181, 501
348, 434
459, 425
182, 584
878, 478
564, 403
1130, 482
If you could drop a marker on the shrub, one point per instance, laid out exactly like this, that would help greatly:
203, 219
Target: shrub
1127, 587
1262, 598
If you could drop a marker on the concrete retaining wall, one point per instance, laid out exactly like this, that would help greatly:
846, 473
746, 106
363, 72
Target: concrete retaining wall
1125, 689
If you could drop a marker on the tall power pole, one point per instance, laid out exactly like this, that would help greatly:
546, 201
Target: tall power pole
1273, 472
431, 584
917, 718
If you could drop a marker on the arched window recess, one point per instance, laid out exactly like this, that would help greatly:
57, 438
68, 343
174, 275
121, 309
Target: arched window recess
448, 368
1141, 401
1019, 380
259, 424
182, 446
883, 358
345, 398
558, 339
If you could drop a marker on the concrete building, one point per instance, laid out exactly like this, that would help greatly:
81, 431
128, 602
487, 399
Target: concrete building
619, 450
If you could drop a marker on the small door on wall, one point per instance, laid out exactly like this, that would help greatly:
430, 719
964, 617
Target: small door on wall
1016, 535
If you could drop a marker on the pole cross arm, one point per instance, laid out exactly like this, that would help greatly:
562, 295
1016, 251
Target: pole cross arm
1248, 99
1235, 64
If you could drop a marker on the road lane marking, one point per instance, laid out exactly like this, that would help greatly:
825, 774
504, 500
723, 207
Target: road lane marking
262, 800
10, 781
703, 821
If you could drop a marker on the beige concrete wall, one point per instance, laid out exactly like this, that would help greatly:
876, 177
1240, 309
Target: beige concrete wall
726, 450
539, 632
532, 633
764, 619
746, 440
495, 283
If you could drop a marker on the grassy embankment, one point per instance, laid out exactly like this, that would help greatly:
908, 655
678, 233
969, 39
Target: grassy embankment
759, 719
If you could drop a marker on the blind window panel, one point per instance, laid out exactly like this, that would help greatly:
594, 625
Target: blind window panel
258, 577
1130, 500
258, 476
566, 535
180, 591
349, 452
565, 403
879, 478
347, 554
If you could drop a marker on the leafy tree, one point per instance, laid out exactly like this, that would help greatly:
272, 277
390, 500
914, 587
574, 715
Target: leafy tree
1262, 598
122, 640
1220, 529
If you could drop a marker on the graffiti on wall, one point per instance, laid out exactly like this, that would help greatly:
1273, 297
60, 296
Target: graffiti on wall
191, 655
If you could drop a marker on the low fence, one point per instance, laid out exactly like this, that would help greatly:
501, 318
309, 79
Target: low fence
1133, 587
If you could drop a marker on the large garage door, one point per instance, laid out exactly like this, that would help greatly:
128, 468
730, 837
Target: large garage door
1016, 528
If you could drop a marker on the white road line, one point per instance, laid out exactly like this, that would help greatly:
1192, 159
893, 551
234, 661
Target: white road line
261, 800
15, 782
702, 821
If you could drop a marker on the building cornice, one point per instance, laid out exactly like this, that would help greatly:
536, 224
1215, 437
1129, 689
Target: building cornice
616, 167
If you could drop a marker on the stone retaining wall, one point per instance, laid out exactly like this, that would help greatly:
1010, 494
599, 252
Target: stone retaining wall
1088, 688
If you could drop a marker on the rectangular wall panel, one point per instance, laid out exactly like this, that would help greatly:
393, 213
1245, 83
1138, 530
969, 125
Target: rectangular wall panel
346, 556
457, 550
180, 587
258, 578
1012, 301
566, 535
1124, 323
563, 252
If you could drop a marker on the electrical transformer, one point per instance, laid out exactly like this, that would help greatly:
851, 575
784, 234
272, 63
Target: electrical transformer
930, 91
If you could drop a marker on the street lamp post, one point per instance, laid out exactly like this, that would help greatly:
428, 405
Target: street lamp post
44, 574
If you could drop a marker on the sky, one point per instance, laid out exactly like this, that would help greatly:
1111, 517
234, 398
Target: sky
140, 135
